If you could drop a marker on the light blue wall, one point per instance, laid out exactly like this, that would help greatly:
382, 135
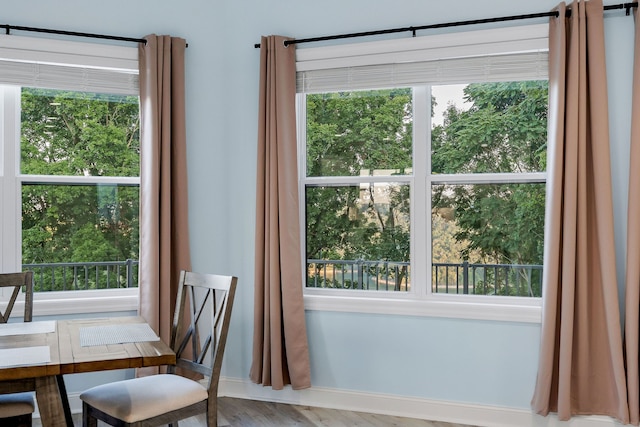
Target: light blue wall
482, 362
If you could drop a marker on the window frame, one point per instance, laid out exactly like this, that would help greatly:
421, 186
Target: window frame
419, 301
116, 68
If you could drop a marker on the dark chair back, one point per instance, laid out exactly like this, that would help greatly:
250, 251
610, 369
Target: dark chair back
201, 323
17, 281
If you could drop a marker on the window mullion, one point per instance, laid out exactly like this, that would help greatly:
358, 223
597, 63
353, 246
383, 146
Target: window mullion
420, 230
301, 126
490, 178
10, 233
80, 179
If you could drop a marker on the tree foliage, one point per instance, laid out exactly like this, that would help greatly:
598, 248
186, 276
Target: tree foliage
370, 133
356, 134
79, 134
504, 131
359, 134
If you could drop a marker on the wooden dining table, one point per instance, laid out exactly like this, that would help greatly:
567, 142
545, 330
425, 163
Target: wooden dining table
34, 356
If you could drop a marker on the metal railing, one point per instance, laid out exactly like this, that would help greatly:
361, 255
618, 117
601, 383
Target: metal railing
523, 280
77, 276
358, 274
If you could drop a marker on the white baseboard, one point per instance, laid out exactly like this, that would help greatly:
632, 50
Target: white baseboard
453, 412
385, 404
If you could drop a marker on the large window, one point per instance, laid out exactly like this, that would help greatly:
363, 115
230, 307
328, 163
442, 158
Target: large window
69, 172
79, 169
359, 147
424, 179
488, 157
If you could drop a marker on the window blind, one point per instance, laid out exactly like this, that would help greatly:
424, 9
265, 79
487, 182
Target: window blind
57, 64
486, 55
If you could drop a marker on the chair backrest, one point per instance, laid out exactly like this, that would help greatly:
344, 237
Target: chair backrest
17, 281
201, 323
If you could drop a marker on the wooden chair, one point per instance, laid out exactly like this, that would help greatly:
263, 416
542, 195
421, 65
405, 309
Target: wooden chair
16, 409
198, 340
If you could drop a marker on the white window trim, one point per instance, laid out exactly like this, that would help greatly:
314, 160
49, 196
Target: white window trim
29, 53
436, 306
420, 301
80, 302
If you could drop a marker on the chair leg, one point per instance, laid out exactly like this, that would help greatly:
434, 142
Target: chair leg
19, 421
212, 418
87, 419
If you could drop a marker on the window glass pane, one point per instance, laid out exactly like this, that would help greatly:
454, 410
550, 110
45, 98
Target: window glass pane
358, 237
487, 239
359, 133
80, 236
79, 134
489, 128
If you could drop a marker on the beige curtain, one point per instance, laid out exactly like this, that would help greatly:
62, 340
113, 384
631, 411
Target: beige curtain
632, 301
581, 368
164, 234
280, 348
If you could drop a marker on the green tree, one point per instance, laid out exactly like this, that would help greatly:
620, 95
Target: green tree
359, 134
504, 131
364, 133
79, 134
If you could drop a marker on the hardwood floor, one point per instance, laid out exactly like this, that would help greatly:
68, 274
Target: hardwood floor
251, 413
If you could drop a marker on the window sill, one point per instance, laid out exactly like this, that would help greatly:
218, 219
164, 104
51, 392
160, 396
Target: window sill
81, 302
512, 310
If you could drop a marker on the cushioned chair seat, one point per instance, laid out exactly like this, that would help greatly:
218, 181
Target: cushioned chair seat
141, 398
13, 405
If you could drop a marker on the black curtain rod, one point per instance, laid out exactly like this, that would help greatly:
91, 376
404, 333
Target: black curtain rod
8, 29
412, 29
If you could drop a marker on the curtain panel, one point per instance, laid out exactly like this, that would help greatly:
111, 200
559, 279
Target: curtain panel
581, 367
632, 280
164, 232
280, 347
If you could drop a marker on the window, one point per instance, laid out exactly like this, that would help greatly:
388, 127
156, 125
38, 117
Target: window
79, 233
422, 172
69, 172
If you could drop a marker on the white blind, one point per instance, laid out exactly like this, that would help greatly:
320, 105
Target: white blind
69, 78
56, 64
481, 56
526, 66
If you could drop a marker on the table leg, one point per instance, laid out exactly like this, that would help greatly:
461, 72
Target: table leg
65, 400
50, 402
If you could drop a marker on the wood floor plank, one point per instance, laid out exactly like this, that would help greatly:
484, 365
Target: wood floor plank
234, 412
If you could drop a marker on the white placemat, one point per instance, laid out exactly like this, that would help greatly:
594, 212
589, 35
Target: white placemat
23, 356
116, 334
27, 328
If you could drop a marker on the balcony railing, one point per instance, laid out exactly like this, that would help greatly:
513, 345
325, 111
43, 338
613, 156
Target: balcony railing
78, 276
521, 280
358, 274
450, 278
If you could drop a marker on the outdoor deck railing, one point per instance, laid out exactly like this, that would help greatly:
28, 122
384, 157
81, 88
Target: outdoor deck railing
74, 276
358, 274
451, 278
523, 280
